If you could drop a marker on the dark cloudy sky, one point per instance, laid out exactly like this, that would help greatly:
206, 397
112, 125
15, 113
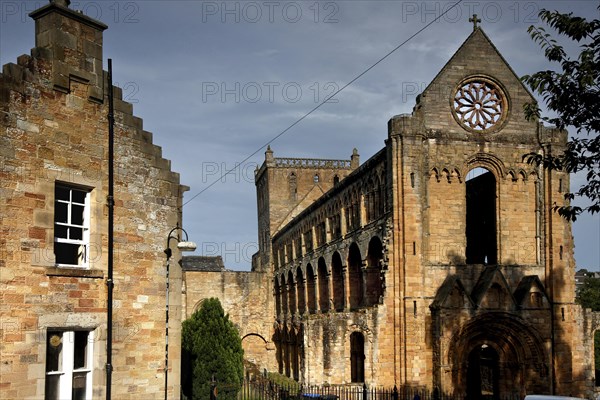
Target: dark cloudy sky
215, 81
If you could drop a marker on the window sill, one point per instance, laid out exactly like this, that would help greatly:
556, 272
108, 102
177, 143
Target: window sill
75, 272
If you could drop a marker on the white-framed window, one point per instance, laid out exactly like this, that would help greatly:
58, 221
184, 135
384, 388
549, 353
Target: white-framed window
71, 225
69, 361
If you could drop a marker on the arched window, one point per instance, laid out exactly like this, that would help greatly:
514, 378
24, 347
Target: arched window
311, 289
284, 295
374, 289
277, 298
356, 278
335, 225
357, 357
300, 287
323, 280
481, 217
292, 293
336, 180
338, 282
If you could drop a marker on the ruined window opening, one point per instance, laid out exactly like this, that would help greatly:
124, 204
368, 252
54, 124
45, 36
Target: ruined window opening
338, 282
308, 241
311, 289
323, 280
380, 204
357, 357
289, 251
69, 361
301, 291
481, 217
356, 277
71, 226
374, 277
335, 225
357, 214
321, 234
281, 256
292, 293
368, 206
277, 298
560, 185
284, 296
298, 243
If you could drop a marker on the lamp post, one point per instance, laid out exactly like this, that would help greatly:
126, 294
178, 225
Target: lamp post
182, 246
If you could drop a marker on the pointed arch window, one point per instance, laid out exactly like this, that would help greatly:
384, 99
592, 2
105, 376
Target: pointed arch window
481, 232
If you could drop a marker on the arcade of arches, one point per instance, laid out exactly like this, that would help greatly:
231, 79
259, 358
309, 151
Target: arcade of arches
334, 285
342, 285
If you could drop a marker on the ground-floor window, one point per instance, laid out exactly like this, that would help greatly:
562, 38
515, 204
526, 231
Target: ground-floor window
69, 361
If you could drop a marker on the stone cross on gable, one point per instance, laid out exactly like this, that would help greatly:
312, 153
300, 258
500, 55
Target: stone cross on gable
474, 20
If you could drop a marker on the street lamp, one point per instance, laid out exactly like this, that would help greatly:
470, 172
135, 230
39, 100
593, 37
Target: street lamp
182, 246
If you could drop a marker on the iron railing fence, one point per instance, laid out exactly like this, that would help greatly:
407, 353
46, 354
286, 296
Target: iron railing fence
263, 389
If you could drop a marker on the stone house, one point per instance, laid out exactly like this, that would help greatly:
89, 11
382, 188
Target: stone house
436, 264
54, 219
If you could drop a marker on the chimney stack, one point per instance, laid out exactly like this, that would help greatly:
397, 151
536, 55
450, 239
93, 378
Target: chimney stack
73, 45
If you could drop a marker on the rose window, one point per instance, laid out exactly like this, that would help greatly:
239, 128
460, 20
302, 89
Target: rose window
479, 105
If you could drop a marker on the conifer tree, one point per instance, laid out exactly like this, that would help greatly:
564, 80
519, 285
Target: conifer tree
215, 349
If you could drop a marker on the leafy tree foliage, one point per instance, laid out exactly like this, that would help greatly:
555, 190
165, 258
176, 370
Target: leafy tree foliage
588, 295
573, 92
215, 350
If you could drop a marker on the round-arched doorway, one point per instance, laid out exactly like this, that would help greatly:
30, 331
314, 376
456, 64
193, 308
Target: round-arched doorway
496, 355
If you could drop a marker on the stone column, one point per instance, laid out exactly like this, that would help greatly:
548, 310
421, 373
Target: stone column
345, 281
330, 290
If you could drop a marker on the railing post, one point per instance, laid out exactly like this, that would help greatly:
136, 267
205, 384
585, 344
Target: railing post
364, 394
395, 393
